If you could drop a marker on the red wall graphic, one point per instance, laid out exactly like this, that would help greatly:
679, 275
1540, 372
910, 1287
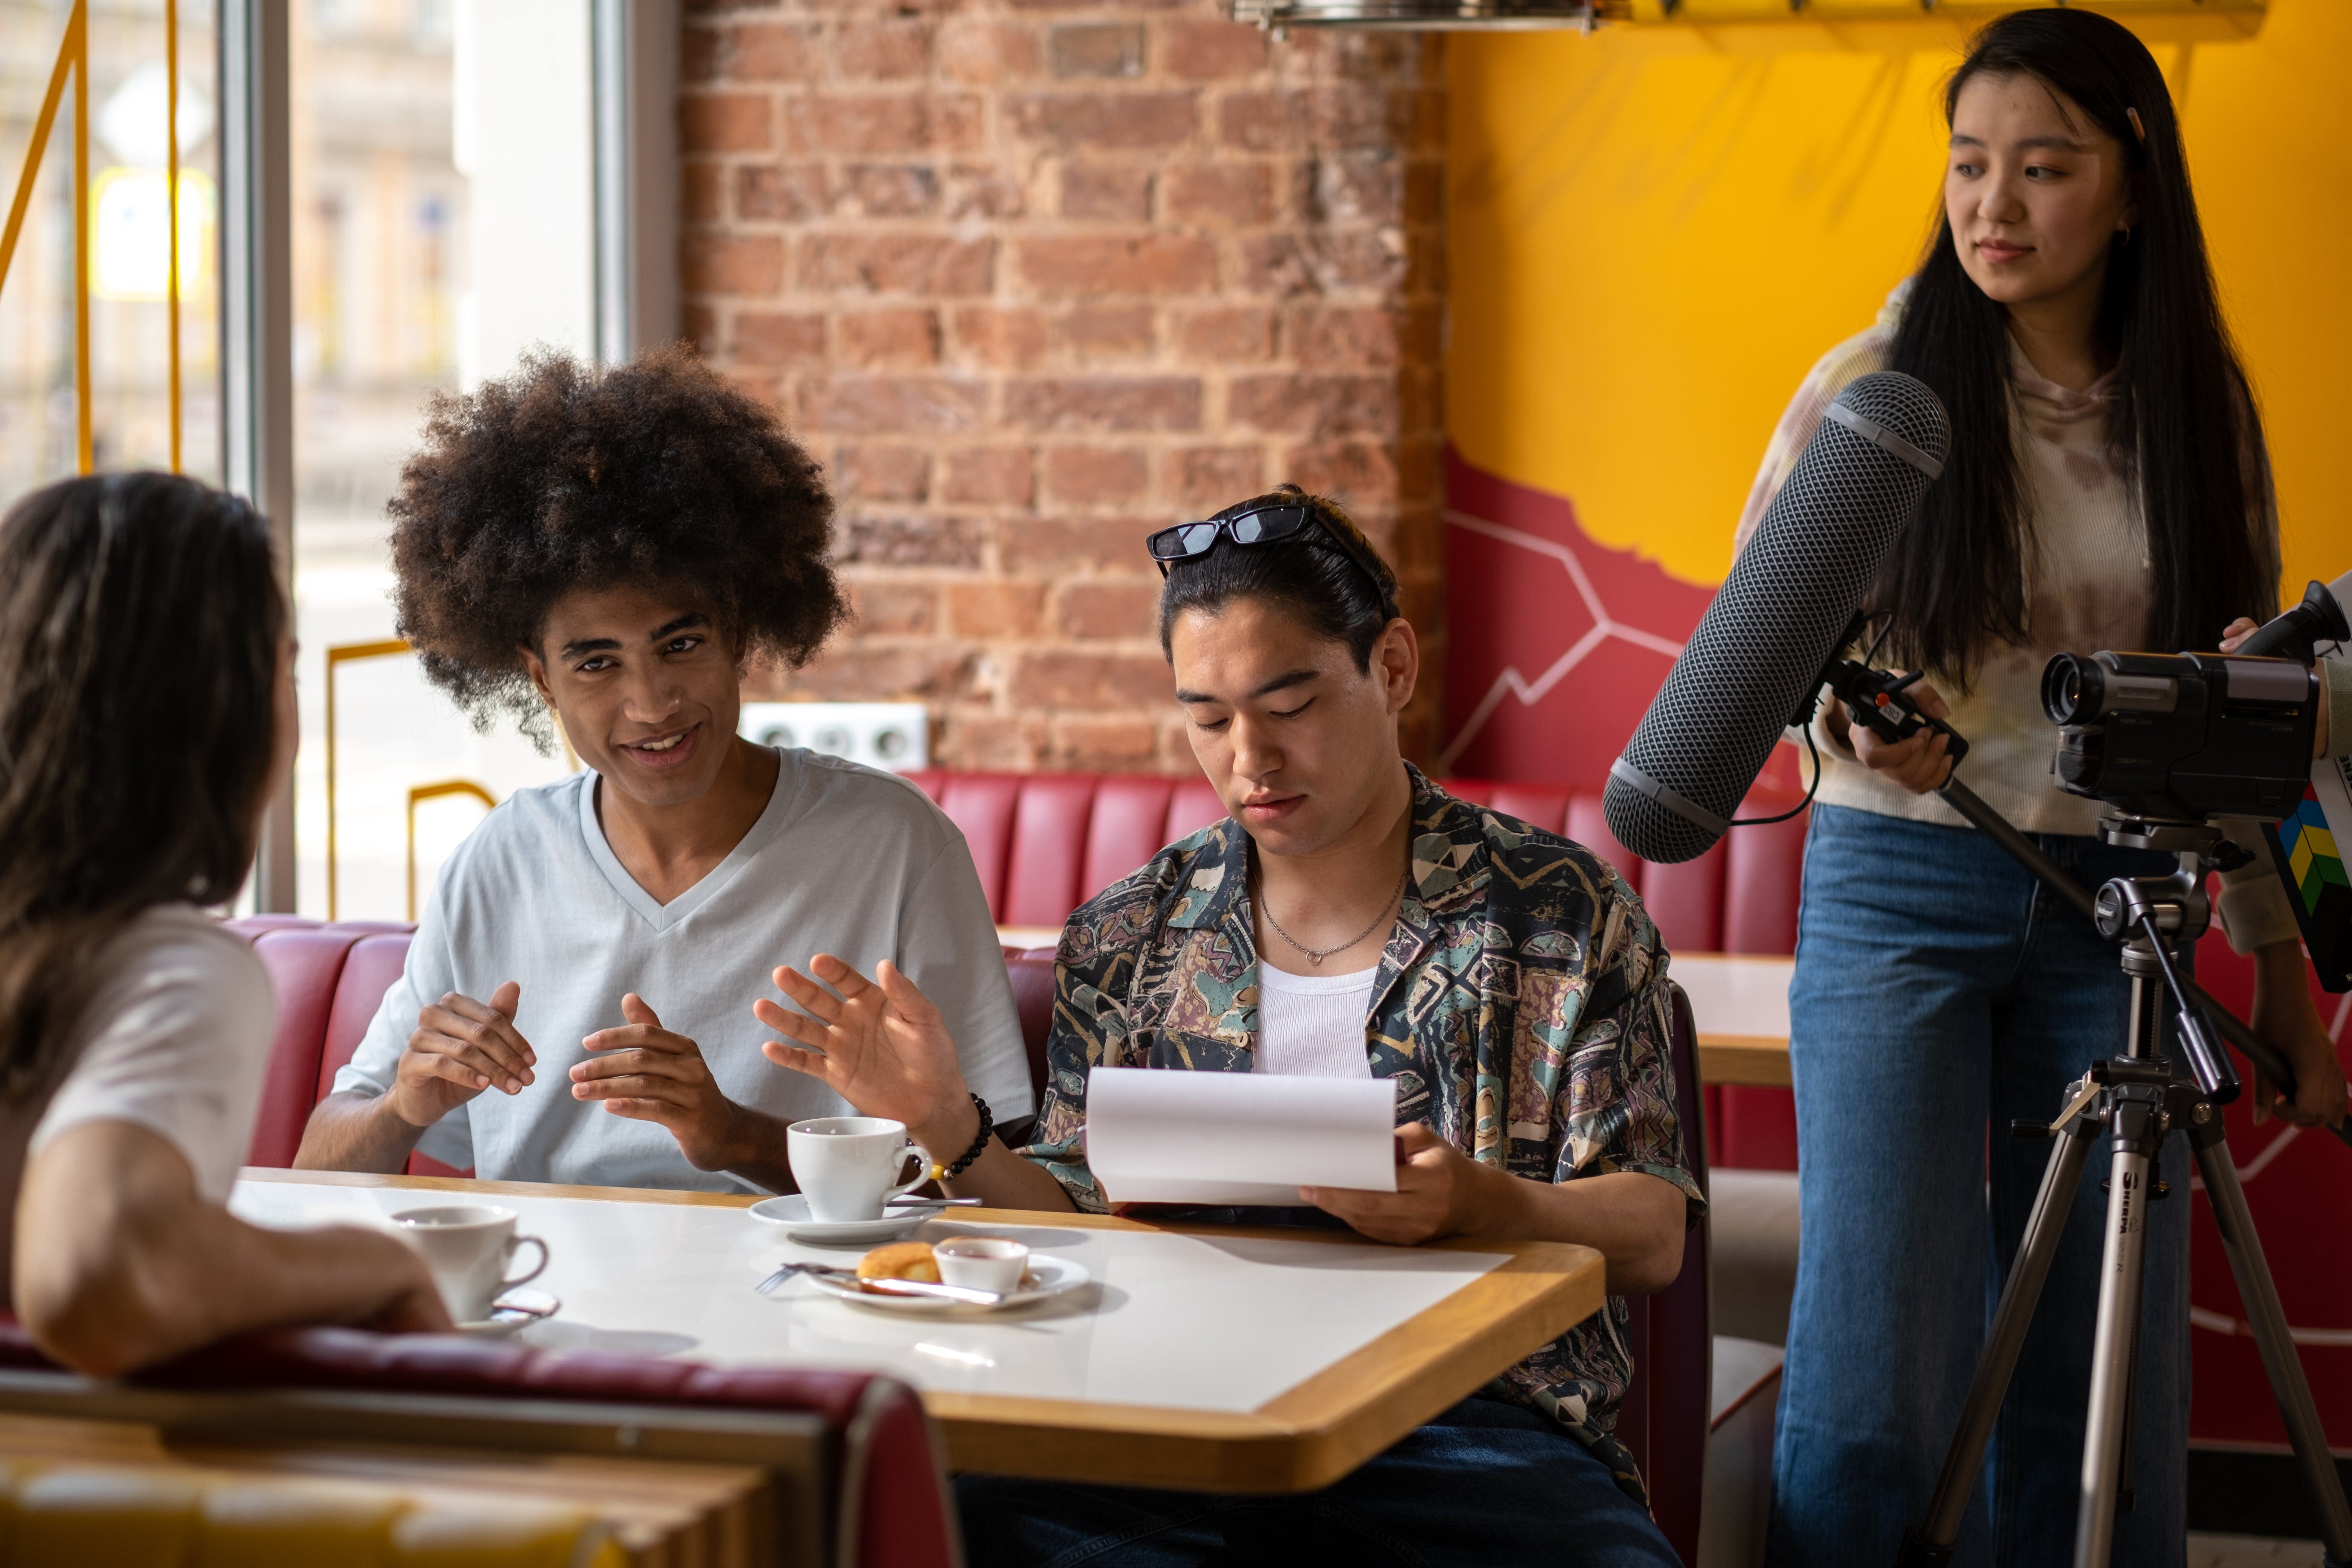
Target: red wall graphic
1555, 644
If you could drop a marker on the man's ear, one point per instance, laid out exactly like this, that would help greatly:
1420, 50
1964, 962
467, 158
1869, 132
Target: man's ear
1396, 659
536, 669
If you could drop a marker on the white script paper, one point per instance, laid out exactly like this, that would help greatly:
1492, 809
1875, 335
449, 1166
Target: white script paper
1161, 1136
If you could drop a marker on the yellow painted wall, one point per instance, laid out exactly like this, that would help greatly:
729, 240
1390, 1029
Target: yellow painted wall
1655, 231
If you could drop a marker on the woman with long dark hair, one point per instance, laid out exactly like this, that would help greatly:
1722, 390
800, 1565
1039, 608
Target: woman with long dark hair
146, 719
2107, 487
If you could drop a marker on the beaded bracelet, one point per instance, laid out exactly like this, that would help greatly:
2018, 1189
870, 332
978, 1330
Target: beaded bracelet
979, 1146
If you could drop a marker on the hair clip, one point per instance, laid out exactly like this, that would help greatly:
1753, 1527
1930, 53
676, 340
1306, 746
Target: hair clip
2138, 129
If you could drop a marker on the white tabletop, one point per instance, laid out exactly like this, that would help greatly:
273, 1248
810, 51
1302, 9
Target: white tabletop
1222, 1324
1734, 994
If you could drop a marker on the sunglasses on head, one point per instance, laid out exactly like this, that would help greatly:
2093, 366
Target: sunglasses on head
1267, 525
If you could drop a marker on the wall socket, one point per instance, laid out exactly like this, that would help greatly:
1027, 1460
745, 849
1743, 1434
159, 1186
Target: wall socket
893, 736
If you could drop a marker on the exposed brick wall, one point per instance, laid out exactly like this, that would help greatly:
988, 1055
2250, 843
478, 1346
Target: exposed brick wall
1035, 278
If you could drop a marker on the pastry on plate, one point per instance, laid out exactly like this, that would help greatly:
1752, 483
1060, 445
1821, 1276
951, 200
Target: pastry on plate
900, 1260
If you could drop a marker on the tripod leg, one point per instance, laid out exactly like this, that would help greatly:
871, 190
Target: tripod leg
2121, 1258
2269, 1321
1931, 1541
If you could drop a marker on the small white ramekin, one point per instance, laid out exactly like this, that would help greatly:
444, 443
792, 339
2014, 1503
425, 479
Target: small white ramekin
981, 1262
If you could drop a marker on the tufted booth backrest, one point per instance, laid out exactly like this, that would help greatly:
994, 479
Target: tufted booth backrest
329, 979
1045, 843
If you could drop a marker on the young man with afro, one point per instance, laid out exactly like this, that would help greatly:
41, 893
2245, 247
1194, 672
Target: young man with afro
615, 548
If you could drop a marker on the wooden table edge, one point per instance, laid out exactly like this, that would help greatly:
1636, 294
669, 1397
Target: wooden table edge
1760, 1061
1308, 1436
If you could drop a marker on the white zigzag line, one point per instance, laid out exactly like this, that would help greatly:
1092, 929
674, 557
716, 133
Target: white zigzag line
1510, 682
2222, 1324
2271, 1150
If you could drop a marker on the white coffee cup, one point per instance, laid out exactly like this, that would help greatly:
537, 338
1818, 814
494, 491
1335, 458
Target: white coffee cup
849, 1166
466, 1247
981, 1262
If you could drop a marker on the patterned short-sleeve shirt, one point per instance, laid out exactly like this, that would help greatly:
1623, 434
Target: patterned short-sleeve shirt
1521, 1005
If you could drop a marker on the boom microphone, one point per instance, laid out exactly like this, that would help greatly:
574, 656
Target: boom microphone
1759, 650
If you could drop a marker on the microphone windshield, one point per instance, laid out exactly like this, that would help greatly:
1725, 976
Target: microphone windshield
1761, 646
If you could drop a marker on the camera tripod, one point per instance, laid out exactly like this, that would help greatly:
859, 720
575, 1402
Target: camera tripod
2131, 1104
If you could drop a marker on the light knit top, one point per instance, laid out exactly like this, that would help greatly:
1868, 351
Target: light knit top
2087, 588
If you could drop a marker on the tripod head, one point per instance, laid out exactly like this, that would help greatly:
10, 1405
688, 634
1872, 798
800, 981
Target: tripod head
2148, 914
2183, 835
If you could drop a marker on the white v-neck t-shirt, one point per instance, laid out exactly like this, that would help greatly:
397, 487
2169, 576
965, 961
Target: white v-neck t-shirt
845, 860
1313, 1026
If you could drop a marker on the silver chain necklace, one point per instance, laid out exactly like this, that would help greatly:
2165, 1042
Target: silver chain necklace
1313, 956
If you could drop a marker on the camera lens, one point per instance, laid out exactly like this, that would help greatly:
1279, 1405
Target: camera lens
2072, 689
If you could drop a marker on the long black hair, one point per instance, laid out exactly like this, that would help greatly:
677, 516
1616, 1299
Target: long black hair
1307, 574
2183, 423
139, 624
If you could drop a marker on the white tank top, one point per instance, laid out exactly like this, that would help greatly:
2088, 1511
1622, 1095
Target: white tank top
1313, 1026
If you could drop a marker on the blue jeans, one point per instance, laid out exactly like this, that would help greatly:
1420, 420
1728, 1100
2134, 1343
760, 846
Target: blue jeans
1484, 1484
1941, 989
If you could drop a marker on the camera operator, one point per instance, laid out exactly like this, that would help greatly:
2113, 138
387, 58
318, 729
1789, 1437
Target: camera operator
2108, 487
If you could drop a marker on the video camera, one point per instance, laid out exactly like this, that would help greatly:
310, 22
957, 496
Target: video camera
2183, 736
2172, 740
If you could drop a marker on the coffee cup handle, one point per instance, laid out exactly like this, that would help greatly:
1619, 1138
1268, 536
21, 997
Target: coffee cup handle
922, 1171
537, 1270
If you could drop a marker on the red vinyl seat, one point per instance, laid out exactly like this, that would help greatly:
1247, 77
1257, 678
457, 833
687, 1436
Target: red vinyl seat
889, 1509
306, 967
1664, 1420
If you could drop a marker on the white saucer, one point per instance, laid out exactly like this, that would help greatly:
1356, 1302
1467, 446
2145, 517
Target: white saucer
511, 1311
1048, 1278
792, 1211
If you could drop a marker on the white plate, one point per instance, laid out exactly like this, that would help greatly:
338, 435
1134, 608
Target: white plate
512, 1311
792, 1211
1049, 1277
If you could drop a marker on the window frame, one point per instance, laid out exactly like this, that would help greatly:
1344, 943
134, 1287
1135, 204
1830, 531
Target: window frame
632, 124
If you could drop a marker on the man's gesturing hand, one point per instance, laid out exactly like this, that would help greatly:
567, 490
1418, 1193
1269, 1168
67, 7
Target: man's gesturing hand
880, 1044
461, 1047
649, 1074
1436, 1186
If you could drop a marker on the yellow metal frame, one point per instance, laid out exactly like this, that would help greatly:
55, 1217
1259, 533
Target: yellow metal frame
417, 795
338, 655
171, 208
73, 58
1704, 13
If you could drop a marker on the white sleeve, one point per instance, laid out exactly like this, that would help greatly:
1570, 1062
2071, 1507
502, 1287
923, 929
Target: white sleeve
427, 972
176, 1039
948, 947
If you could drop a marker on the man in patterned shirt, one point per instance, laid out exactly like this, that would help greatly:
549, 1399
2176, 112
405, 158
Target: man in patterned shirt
1350, 918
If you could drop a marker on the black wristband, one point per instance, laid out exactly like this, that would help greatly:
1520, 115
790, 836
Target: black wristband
979, 1144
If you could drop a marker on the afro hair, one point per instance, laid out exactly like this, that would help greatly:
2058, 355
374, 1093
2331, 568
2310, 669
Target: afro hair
560, 477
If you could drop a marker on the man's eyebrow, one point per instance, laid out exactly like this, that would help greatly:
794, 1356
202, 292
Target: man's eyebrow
671, 628
1284, 683
1279, 683
590, 645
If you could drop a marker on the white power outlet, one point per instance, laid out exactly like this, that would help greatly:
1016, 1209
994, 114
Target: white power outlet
893, 736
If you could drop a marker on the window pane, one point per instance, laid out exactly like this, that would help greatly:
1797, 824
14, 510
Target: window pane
442, 208
129, 237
